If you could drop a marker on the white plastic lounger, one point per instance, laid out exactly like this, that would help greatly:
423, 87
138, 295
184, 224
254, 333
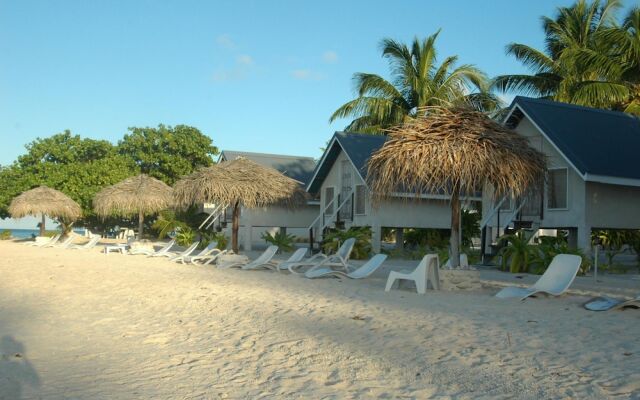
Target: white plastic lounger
608, 303
295, 258
426, 271
64, 245
174, 256
121, 247
160, 253
364, 271
340, 259
53, 241
555, 280
260, 262
211, 248
44, 243
464, 261
89, 245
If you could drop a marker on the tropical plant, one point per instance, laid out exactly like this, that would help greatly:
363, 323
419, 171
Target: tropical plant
426, 237
5, 235
416, 81
470, 221
284, 241
517, 252
560, 72
207, 237
185, 236
548, 248
362, 248
167, 223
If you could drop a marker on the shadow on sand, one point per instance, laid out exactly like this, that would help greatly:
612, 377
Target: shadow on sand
16, 371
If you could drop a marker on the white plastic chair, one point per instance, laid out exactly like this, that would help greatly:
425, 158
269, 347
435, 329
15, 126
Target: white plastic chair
340, 259
364, 271
295, 258
427, 270
89, 245
121, 247
555, 280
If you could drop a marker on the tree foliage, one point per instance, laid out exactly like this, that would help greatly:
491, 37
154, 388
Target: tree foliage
417, 81
166, 152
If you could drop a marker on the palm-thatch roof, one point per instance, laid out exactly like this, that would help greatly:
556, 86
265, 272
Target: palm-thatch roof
47, 201
238, 181
135, 195
454, 150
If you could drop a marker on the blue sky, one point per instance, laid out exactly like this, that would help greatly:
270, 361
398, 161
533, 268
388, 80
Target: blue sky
252, 75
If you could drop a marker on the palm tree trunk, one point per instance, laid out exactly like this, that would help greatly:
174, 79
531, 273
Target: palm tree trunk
42, 227
455, 229
140, 224
235, 226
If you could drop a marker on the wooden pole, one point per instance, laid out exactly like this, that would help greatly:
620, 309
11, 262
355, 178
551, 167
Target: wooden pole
140, 224
455, 229
235, 226
42, 227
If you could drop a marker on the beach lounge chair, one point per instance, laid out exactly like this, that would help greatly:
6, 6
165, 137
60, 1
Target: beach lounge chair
555, 280
426, 271
340, 259
50, 240
464, 261
174, 256
263, 261
121, 247
364, 271
160, 253
295, 258
64, 245
207, 256
607, 303
89, 245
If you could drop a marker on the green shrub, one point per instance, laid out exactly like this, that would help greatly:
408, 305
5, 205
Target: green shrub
362, 248
283, 240
431, 238
185, 236
5, 235
517, 253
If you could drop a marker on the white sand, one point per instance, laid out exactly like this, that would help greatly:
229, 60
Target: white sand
79, 324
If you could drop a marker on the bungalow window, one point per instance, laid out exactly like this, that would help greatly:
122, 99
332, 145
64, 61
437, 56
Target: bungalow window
361, 199
329, 192
558, 189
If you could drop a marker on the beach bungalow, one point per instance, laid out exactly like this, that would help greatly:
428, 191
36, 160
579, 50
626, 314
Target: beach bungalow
345, 199
254, 222
594, 173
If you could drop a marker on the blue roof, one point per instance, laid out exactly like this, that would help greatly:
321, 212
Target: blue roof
596, 142
358, 147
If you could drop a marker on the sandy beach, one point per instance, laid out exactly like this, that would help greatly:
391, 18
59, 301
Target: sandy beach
82, 325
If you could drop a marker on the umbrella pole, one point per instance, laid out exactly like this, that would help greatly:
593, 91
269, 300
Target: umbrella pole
42, 227
140, 224
455, 229
235, 225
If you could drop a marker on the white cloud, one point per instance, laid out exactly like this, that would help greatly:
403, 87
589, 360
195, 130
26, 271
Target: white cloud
225, 41
306, 75
330, 57
244, 59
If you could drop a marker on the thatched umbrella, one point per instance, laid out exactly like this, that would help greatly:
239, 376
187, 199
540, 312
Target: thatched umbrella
240, 182
457, 152
138, 195
45, 201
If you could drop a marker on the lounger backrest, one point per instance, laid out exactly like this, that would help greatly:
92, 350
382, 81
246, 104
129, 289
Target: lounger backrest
560, 273
190, 249
210, 248
92, 242
267, 255
298, 255
166, 247
369, 267
345, 250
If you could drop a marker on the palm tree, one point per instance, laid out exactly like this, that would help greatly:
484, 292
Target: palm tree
417, 81
559, 72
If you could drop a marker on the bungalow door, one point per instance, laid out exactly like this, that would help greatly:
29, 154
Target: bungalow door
346, 211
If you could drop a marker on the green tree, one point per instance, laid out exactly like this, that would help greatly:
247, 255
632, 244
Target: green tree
78, 167
565, 71
416, 81
166, 152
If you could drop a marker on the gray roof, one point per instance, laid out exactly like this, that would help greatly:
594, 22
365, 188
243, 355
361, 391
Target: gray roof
298, 168
358, 147
597, 142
